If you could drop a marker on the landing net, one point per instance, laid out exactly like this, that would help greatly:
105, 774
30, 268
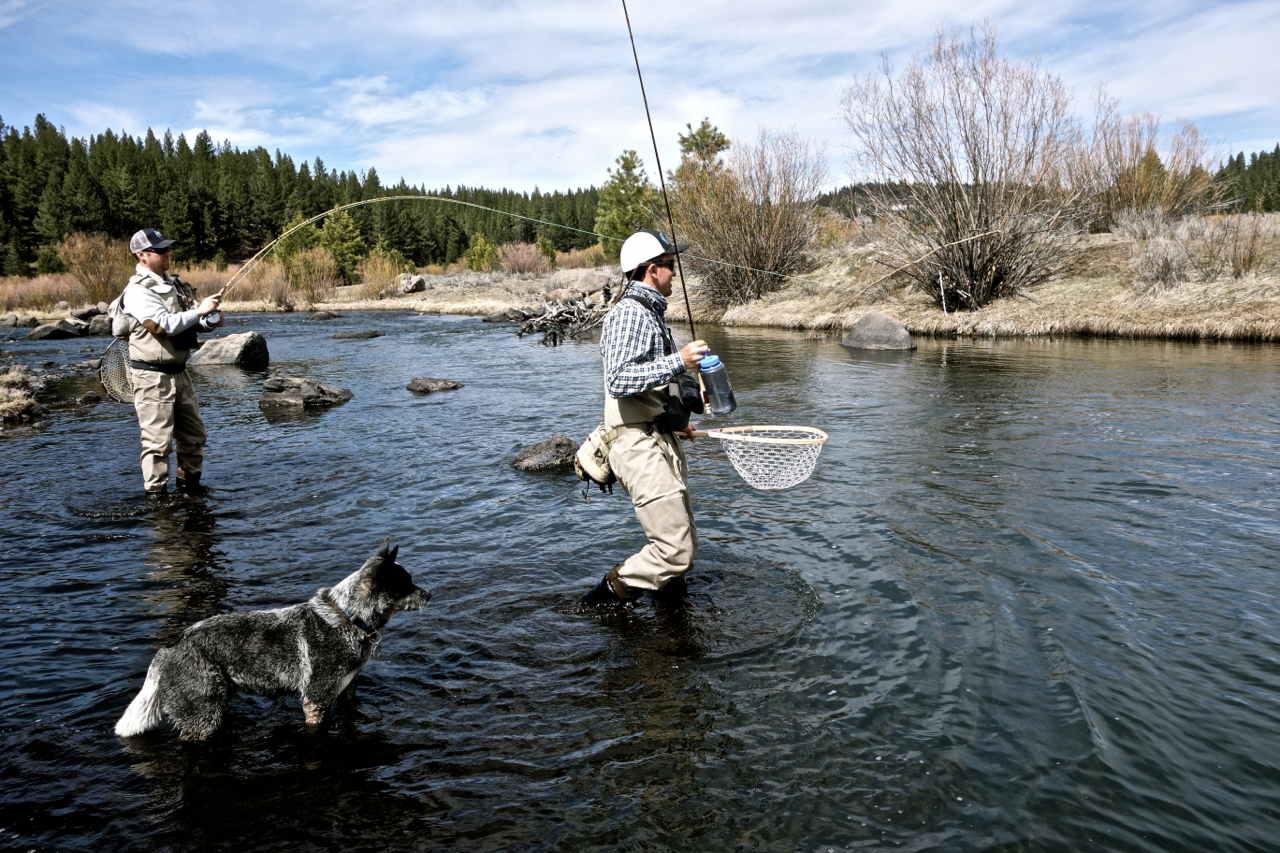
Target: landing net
114, 372
771, 457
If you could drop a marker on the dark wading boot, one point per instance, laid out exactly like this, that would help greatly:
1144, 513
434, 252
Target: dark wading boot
611, 591
673, 593
189, 483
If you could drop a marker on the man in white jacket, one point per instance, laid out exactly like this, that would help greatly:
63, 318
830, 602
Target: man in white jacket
164, 321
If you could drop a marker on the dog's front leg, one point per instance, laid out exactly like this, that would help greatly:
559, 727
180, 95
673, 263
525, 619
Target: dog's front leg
314, 711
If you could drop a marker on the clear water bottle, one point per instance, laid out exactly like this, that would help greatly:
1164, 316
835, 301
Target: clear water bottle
715, 379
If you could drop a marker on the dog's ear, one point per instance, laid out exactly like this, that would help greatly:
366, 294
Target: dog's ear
395, 552
383, 548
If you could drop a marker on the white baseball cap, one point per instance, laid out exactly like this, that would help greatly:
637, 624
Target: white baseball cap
645, 245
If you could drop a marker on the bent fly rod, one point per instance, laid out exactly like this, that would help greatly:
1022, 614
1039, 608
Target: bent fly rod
661, 180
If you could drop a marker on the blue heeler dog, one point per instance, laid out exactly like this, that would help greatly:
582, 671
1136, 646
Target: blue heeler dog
316, 648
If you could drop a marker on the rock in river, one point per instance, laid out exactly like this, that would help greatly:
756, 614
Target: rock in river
426, 385
246, 349
878, 330
342, 336
324, 315
554, 454
65, 328
285, 391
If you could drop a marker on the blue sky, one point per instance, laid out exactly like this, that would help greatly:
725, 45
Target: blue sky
524, 94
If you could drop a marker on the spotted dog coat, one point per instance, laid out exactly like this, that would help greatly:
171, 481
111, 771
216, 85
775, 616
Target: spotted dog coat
316, 648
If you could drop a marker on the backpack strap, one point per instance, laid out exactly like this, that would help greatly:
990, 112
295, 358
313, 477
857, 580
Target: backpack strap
668, 342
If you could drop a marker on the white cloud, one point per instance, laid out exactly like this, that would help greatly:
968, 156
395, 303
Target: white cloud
523, 93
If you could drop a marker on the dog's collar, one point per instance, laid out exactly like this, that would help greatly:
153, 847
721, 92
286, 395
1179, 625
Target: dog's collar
370, 633
360, 624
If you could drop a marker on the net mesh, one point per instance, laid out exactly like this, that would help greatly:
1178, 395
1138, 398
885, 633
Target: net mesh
772, 457
114, 372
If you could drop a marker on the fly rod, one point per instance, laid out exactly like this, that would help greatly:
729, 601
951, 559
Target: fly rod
661, 180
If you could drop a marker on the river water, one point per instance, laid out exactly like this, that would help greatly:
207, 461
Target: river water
1028, 601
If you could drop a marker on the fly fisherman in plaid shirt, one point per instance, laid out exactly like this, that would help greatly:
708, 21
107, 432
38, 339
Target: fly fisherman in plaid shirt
640, 361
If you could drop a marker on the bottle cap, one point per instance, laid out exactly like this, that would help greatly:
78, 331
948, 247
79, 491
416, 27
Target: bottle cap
709, 362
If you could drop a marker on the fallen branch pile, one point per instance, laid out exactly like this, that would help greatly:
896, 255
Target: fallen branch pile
562, 320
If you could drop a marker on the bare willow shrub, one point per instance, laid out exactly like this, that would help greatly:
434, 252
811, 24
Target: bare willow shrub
101, 264
523, 258
267, 282
1131, 166
314, 275
974, 158
752, 221
578, 259
378, 272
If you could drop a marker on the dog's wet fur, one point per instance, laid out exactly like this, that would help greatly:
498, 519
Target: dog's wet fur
314, 648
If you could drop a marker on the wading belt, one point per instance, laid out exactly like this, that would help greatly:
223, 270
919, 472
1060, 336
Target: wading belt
159, 368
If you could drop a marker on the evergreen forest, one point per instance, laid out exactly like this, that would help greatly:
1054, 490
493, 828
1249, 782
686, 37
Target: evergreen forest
1256, 183
222, 204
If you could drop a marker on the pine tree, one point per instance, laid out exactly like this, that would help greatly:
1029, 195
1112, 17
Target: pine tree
627, 203
341, 238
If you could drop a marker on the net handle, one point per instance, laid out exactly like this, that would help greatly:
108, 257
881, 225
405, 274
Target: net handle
734, 435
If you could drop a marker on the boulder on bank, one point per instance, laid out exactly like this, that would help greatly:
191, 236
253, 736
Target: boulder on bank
324, 315
245, 349
878, 331
28, 323
564, 294
554, 454
86, 313
289, 392
427, 385
8, 321
410, 283
99, 324
348, 336
62, 329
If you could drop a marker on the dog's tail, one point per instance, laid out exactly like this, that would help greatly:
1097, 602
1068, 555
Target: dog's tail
144, 712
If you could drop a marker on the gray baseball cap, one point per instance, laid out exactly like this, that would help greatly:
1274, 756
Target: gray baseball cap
148, 238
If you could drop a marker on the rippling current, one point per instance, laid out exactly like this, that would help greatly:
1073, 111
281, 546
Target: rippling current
1028, 601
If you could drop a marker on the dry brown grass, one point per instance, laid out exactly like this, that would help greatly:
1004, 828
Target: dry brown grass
378, 274
17, 405
41, 293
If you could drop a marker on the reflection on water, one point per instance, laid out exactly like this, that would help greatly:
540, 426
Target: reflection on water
1024, 602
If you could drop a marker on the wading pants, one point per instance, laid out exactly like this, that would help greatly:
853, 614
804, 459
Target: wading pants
655, 474
167, 414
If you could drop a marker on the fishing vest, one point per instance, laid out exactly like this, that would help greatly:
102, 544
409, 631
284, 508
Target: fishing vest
667, 406
162, 348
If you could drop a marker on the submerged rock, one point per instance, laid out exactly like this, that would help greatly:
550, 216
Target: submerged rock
511, 315
89, 398
324, 315
245, 349
878, 330
554, 454
345, 336
427, 385
290, 392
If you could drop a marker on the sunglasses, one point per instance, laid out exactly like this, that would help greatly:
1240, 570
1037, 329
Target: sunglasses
666, 265
163, 251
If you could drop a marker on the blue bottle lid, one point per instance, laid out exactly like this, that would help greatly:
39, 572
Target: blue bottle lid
709, 362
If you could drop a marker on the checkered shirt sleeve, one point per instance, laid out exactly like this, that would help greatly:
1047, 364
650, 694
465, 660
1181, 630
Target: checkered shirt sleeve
631, 344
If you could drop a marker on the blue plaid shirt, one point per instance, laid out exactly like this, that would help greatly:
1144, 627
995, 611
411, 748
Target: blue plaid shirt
631, 343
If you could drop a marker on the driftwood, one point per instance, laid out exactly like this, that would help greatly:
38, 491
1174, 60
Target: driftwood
563, 320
